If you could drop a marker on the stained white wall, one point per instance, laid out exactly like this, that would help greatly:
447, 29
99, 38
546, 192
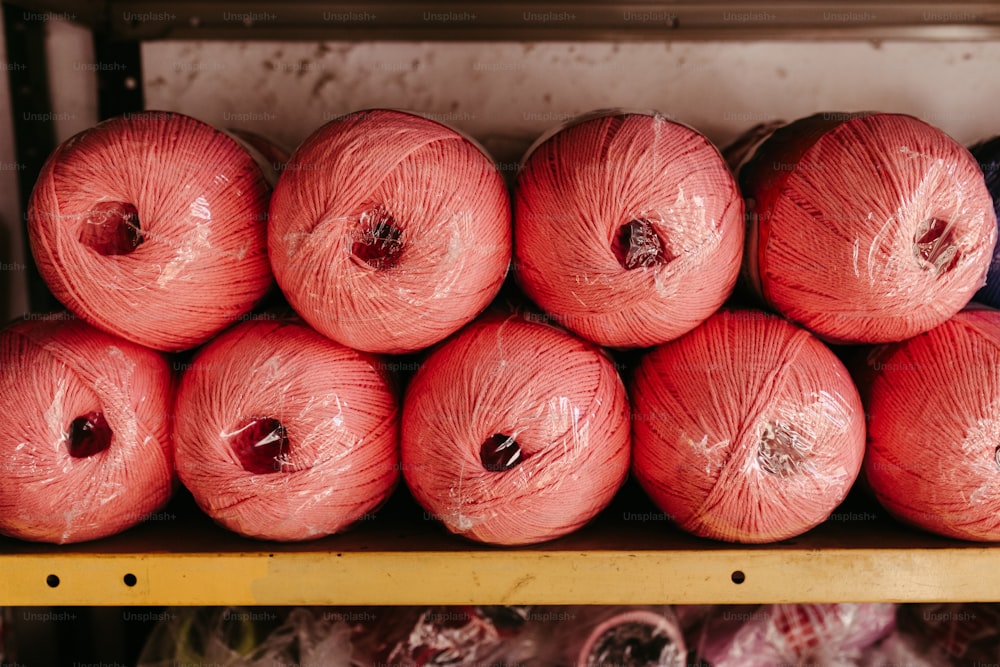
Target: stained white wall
506, 94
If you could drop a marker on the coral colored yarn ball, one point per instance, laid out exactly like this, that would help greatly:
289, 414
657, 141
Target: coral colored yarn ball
748, 429
866, 228
152, 226
988, 155
285, 435
934, 428
628, 228
515, 432
86, 444
388, 232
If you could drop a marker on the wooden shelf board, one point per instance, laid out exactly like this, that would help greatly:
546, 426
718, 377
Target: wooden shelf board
401, 558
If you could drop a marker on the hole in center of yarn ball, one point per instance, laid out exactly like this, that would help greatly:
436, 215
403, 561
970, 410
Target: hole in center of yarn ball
89, 434
780, 450
638, 245
262, 446
637, 644
379, 243
500, 452
112, 228
934, 243
996, 456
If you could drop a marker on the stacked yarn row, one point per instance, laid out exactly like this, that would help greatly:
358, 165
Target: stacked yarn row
391, 234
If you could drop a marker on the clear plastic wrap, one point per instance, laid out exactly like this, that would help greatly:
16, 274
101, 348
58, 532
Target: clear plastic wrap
866, 227
823, 635
283, 434
408, 220
86, 451
152, 226
454, 636
747, 429
628, 227
245, 637
515, 431
933, 430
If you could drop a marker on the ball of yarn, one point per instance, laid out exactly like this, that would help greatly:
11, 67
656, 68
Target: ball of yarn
388, 232
86, 445
748, 429
515, 432
636, 638
282, 434
152, 226
796, 634
987, 153
628, 228
866, 228
934, 428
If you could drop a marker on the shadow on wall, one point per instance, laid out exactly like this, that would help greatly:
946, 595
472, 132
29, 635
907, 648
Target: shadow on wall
13, 299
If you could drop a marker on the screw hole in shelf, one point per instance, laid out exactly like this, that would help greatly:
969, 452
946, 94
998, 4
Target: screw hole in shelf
129, 579
738, 577
52, 580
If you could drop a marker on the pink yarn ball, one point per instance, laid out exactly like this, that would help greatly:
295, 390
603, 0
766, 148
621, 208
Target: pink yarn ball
86, 445
388, 232
515, 432
152, 226
934, 428
748, 429
796, 634
285, 435
866, 228
628, 228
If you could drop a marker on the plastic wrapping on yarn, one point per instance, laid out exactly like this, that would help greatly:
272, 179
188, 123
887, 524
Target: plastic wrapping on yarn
388, 232
152, 226
515, 431
748, 429
596, 636
628, 227
832, 635
987, 153
86, 450
932, 458
866, 228
245, 637
283, 434
457, 636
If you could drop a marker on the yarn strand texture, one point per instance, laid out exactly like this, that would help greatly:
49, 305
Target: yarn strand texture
603, 187
933, 456
553, 398
152, 227
53, 375
748, 429
867, 228
388, 232
285, 435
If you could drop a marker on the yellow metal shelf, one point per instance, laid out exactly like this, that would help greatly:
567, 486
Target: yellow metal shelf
399, 558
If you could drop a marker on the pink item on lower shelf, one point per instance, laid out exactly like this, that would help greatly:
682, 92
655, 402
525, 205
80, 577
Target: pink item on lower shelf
831, 635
